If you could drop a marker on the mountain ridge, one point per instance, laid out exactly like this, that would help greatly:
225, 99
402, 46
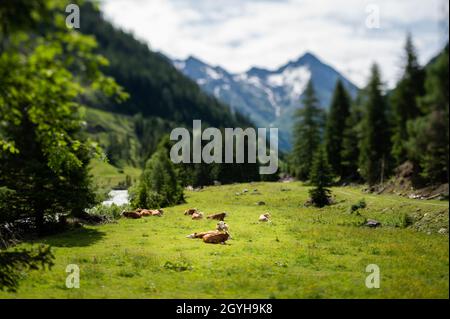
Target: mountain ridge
268, 97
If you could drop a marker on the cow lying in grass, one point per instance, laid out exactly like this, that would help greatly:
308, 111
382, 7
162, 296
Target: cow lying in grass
211, 237
190, 211
197, 216
138, 213
202, 234
219, 238
220, 235
220, 216
222, 226
157, 212
132, 215
264, 217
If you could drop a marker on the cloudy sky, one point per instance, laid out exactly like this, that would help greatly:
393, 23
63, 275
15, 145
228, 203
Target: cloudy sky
239, 34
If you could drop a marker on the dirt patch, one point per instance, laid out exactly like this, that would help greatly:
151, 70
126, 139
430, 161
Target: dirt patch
403, 184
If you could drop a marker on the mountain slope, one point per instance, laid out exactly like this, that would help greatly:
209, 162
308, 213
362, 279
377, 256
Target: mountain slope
156, 88
267, 97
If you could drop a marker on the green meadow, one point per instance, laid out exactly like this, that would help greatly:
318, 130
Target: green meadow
304, 252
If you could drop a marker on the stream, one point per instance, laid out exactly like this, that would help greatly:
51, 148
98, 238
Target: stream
118, 197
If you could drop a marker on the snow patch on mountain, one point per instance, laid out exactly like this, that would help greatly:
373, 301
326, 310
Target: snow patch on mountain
268, 97
294, 79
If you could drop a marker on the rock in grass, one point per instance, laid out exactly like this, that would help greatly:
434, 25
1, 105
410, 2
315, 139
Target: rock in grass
373, 223
260, 203
443, 231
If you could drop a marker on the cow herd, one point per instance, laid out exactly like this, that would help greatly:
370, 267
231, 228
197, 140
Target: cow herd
218, 236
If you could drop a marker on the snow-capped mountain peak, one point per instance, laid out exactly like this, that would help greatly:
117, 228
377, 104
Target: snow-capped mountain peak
267, 97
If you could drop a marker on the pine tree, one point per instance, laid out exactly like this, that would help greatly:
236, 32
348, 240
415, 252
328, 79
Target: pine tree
308, 133
336, 124
159, 185
405, 101
374, 148
321, 177
350, 141
43, 153
428, 144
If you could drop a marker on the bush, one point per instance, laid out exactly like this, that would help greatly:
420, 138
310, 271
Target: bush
7, 207
13, 263
159, 185
320, 196
112, 212
178, 266
359, 205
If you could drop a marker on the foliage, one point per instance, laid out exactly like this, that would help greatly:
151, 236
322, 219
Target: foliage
307, 133
375, 146
112, 212
321, 177
12, 263
359, 205
45, 154
428, 143
405, 101
159, 185
338, 116
156, 88
350, 151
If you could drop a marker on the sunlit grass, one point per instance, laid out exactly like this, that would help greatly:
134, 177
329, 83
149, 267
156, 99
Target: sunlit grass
302, 253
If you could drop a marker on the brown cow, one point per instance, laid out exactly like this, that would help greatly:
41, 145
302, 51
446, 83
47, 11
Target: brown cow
133, 215
190, 211
197, 216
219, 216
144, 212
219, 238
202, 234
157, 212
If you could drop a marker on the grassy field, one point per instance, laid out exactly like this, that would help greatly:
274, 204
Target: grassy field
107, 176
302, 253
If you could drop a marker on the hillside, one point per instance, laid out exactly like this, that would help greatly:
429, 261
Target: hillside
161, 98
268, 97
156, 88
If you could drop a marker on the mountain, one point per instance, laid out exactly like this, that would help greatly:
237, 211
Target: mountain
161, 99
155, 87
267, 97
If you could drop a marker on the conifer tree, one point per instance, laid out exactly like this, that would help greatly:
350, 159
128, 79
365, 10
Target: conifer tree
321, 177
405, 101
428, 144
308, 133
159, 185
336, 124
375, 132
350, 141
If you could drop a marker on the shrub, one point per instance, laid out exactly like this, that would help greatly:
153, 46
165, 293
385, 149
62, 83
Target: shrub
112, 212
359, 205
321, 177
177, 266
158, 186
13, 263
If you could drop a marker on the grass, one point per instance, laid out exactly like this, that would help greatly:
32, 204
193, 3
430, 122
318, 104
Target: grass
302, 253
107, 176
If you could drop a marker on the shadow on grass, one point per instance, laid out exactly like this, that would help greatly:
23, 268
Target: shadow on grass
81, 237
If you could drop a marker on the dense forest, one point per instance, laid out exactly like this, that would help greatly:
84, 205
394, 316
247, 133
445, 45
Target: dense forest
369, 140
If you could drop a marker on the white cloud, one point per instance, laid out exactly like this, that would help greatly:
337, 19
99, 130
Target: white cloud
239, 34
